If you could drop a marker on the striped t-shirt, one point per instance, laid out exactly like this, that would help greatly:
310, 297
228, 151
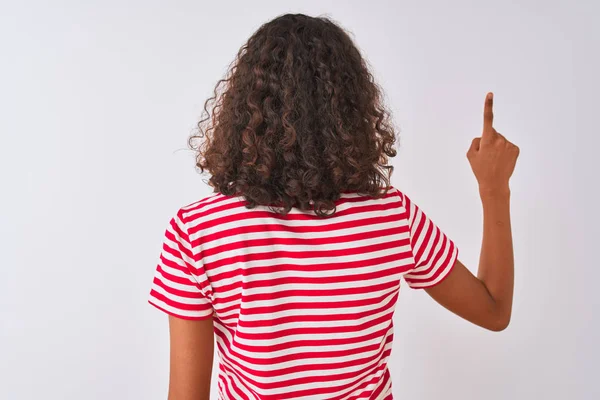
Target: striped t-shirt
302, 305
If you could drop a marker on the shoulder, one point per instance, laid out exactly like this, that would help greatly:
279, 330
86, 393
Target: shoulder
397, 192
200, 208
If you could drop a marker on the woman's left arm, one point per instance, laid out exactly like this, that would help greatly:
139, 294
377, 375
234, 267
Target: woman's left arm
192, 348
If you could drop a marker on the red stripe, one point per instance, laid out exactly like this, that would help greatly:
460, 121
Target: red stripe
258, 213
256, 256
426, 239
179, 315
290, 345
173, 278
177, 292
300, 229
243, 243
317, 330
180, 306
314, 305
322, 267
240, 205
309, 293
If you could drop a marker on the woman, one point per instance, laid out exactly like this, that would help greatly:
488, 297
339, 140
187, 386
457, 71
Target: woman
294, 264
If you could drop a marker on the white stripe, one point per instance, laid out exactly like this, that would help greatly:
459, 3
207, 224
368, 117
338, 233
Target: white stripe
346, 245
247, 266
184, 300
177, 311
291, 338
253, 316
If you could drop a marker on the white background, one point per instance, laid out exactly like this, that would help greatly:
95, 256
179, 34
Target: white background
97, 99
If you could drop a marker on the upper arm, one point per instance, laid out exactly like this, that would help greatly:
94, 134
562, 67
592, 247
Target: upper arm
191, 358
181, 289
438, 271
465, 295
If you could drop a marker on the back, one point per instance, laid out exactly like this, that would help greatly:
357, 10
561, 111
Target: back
302, 305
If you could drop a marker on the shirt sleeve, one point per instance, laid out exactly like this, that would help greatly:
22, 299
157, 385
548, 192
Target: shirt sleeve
180, 287
434, 253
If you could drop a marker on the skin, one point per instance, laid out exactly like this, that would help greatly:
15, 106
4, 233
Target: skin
191, 358
485, 299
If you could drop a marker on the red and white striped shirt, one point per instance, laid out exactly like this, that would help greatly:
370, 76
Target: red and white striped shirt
302, 305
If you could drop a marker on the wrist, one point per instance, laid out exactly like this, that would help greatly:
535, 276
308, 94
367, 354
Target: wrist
502, 192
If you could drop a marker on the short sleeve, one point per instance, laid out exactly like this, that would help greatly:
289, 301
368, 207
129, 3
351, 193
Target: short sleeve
434, 253
180, 284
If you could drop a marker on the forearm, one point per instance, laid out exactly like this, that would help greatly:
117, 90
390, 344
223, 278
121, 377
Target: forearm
486, 299
496, 262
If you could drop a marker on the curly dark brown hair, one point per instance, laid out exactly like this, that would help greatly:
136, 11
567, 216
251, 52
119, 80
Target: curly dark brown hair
300, 121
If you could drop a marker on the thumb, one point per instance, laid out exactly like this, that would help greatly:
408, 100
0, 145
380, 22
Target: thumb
475, 145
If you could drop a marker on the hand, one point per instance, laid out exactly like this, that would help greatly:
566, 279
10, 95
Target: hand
492, 156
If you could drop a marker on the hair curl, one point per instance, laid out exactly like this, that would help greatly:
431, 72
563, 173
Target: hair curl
300, 121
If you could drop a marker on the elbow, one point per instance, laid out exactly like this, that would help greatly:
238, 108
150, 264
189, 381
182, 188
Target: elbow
499, 326
499, 322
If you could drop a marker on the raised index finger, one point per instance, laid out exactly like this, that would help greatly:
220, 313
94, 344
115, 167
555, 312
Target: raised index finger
488, 116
